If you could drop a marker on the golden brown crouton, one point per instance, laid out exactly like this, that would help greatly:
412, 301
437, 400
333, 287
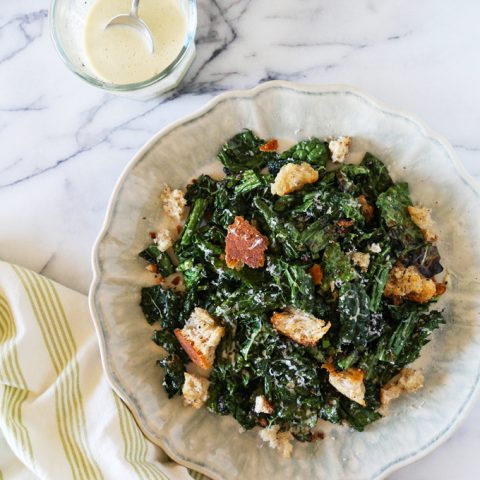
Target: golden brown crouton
200, 337
163, 239
300, 326
195, 390
408, 380
262, 405
244, 245
173, 203
421, 218
360, 259
410, 284
348, 382
293, 177
282, 441
340, 148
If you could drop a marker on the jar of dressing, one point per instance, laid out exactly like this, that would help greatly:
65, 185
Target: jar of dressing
118, 59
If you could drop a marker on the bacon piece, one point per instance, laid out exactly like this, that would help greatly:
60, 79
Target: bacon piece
440, 289
270, 146
244, 245
343, 226
366, 209
317, 273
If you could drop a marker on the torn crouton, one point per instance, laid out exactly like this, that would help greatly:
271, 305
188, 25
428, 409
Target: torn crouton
262, 405
408, 380
365, 208
270, 146
340, 149
195, 390
173, 203
421, 218
163, 239
316, 273
200, 337
361, 260
244, 244
300, 326
410, 284
293, 177
282, 441
348, 382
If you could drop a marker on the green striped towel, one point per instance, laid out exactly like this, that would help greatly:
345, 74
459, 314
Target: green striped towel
59, 418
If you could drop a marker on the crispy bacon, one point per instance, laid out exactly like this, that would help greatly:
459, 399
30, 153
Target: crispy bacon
366, 209
317, 273
270, 146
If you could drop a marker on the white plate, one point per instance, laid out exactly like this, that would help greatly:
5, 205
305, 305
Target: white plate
213, 445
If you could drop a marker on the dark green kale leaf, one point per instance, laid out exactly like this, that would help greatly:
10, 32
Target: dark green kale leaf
313, 151
227, 205
317, 236
295, 281
330, 410
160, 259
174, 374
411, 334
203, 187
193, 222
354, 314
336, 266
168, 341
250, 181
379, 269
293, 385
283, 232
329, 205
161, 304
242, 152
357, 416
393, 204
379, 180
352, 178
248, 300
426, 258
193, 273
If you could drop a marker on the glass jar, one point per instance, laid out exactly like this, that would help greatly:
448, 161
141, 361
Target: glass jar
67, 24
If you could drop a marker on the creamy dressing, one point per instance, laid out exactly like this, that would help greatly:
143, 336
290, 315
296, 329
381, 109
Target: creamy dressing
120, 54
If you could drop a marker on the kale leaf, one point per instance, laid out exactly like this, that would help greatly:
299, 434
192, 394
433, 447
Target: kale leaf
174, 374
242, 152
160, 259
313, 151
162, 304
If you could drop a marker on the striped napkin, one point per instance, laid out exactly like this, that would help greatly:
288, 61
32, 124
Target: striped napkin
59, 418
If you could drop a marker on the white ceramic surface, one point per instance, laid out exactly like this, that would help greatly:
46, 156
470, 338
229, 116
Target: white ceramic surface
417, 423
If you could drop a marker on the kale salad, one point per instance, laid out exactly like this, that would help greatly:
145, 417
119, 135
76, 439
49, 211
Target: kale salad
299, 285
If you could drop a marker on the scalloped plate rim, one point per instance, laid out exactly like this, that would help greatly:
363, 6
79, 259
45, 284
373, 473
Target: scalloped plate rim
386, 470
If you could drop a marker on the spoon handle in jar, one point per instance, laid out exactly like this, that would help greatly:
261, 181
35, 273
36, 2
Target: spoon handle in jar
134, 8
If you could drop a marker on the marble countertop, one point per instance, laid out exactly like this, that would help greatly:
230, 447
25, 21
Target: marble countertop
65, 143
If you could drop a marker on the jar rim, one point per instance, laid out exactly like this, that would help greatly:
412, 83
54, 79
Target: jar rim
125, 87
